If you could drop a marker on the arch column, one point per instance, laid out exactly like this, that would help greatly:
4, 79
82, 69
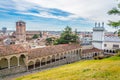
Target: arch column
40, 63
33, 64
8, 63
59, 59
79, 52
18, 61
27, 67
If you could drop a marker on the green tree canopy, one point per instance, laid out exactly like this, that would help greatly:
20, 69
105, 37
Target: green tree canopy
115, 11
49, 41
35, 36
67, 36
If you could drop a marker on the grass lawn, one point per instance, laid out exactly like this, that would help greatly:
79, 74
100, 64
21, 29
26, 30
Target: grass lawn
105, 69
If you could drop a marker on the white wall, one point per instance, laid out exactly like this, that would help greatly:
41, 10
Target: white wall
110, 45
97, 45
98, 36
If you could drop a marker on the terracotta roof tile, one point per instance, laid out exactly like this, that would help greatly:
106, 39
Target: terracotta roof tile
11, 49
39, 52
91, 50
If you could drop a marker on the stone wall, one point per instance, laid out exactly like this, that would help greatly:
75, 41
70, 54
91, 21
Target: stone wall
68, 58
12, 70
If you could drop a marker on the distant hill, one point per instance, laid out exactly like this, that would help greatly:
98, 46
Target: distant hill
106, 69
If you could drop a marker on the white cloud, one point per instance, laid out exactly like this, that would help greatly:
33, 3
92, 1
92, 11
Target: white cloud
95, 10
92, 9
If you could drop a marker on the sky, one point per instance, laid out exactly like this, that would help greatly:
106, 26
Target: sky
55, 15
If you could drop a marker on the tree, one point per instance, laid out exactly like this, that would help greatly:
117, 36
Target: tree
41, 34
35, 36
67, 36
115, 11
49, 41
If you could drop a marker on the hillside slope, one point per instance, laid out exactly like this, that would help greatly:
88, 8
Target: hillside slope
106, 69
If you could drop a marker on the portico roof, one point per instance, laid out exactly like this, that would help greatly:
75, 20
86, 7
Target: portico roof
50, 50
11, 49
91, 50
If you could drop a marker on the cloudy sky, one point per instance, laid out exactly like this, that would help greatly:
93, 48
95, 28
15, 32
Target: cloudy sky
56, 14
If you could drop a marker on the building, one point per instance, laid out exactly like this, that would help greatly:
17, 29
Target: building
98, 36
111, 44
4, 30
16, 59
85, 38
30, 34
20, 31
105, 42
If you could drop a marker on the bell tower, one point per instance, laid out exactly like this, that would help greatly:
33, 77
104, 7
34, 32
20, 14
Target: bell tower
98, 35
21, 31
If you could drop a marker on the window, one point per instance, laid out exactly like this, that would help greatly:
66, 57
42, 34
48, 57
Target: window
105, 45
115, 46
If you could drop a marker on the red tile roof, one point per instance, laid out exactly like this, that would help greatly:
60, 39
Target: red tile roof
11, 49
39, 52
91, 50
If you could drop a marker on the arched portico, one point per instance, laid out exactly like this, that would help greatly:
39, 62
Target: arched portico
48, 60
22, 60
30, 65
53, 58
61, 56
43, 61
13, 61
57, 57
3, 63
37, 63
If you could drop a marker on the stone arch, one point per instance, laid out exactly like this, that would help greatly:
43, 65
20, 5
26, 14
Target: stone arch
110, 51
3, 63
43, 61
37, 63
107, 50
104, 50
61, 56
74, 52
95, 54
113, 51
30, 65
13, 61
57, 57
53, 58
48, 59
22, 59
80, 50
77, 51
65, 55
